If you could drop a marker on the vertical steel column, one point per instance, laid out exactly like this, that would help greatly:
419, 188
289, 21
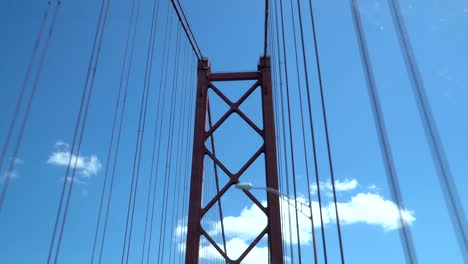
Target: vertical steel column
196, 212
196, 182
274, 234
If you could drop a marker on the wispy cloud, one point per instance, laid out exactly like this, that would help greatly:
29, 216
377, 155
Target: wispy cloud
11, 174
340, 186
86, 165
62, 144
235, 248
76, 180
345, 185
18, 161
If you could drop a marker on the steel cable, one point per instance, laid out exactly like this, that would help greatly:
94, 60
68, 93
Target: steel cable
327, 136
449, 189
170, 138
111, 143
303, 127
385, 148
165, 64
27, 111
19, 101
283, 125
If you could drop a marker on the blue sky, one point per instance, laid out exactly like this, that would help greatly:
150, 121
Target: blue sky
230, 34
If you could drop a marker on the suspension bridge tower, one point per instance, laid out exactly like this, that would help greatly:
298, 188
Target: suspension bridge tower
195, 231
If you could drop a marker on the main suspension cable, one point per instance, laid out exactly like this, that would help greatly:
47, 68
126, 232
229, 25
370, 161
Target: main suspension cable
449, 189
27, 76
187, 29
385, 148
27, 111
265, 44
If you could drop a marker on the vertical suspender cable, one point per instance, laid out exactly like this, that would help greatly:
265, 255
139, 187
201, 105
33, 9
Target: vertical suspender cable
153, 173
162, 86
314, 243
82, 131
327, 136
284, 129
134, 179
314, 150
184, 119
171, 144
167, 179
283, 118
186, 177
136, 159
178, 146
277, 121
125, 82
147, 82
291, 143
111, 143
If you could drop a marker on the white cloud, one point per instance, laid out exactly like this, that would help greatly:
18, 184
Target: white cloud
76, 180
372, 209
345, 185
61, 144
247, 225
368, 208
86, 165
340, 186
365, 208
18, 161
235, 248
9, 175
181, 231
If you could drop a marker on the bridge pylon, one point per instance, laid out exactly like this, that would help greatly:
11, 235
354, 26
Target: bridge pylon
195, 230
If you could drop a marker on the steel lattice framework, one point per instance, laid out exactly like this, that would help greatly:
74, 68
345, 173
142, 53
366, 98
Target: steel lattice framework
262, 79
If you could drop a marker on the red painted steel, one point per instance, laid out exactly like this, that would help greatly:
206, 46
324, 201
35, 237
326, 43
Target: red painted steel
233, 76
274, 236
272, 211
196, 182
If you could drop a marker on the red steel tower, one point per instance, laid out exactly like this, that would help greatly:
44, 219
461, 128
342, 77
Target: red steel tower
195, 231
